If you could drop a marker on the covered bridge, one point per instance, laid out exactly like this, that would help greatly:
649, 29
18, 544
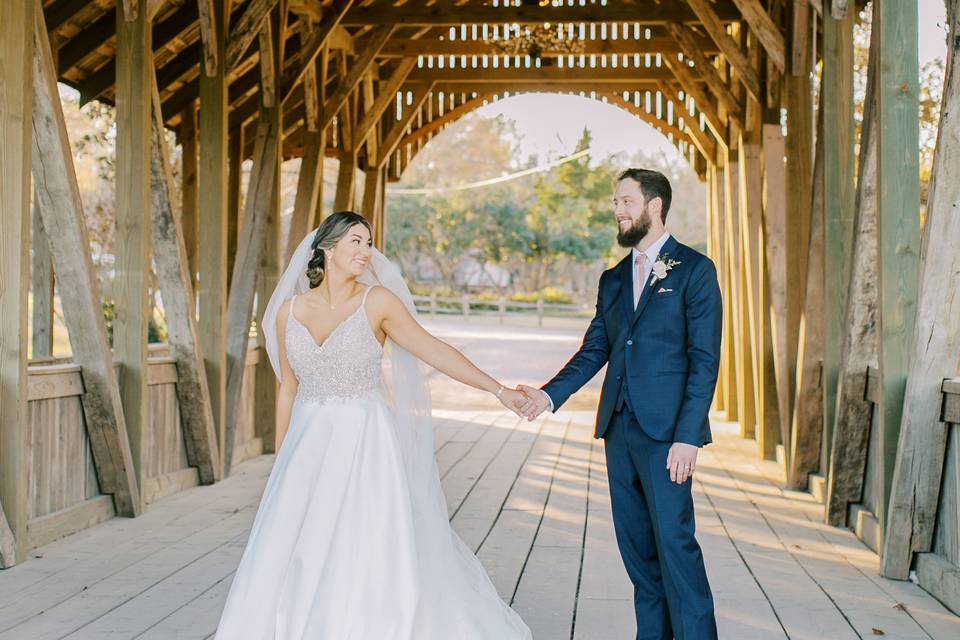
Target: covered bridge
842, 313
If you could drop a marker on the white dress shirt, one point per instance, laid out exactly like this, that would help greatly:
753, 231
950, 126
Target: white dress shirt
652, 253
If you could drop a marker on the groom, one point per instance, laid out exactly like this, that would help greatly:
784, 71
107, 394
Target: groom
657, 328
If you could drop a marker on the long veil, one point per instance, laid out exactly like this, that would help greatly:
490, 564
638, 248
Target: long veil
406, 383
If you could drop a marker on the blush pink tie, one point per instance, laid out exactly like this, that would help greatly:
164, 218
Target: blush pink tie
640, 263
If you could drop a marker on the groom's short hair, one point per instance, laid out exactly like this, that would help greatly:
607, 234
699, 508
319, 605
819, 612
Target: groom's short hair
653, 184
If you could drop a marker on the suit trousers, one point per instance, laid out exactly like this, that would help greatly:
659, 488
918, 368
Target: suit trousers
654, 522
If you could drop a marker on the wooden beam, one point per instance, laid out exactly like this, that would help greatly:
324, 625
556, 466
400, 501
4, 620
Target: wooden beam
62, 209
419, 14
800, 37
854, 419
311, 92
734, 299
386, 98
839, 9
541, 74
705, 69
440, 121
686, 134
807, 427
235, 158
730, 49
936, 338
704, 103
211, 34
16, 83
249, 248
346, 154
131, 302
308, 190
42, 286
246, 29
311, 49
778, 234
268, 70
766, 31
409, 111
351, 78
585, 86
898, 179
212, 178
176, 286
838, 197
658, 43
189, 214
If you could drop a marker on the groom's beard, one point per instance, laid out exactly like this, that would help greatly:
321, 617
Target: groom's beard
637, 231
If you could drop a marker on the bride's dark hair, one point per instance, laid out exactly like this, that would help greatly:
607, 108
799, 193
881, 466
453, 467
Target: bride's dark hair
331, 230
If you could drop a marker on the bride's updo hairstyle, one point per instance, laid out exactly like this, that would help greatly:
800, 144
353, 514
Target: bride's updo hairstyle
330, 232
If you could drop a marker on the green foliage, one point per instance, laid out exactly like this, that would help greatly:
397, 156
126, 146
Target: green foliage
550, 295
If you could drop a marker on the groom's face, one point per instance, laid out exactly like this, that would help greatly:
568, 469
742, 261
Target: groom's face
632, 213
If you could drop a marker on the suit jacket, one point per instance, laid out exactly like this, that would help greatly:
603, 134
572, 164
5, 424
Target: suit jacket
663, 356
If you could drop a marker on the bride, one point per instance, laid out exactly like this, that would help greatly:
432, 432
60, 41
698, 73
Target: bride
351, 540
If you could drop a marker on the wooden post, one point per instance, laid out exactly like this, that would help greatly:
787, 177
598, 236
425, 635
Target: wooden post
212, 290
898, 179
16, 50
189, 218
346, 174
235, 147
854, 417
728, 361
777, 234
131, 304
717, 253
250, 244
735, 282
62, 209
309, 182
268, 272
176, 286
807, 426
838, 197
42, 287
936, 341
751, 231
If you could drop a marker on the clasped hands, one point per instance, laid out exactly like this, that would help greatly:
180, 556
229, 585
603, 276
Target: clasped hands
529, 402
526, 402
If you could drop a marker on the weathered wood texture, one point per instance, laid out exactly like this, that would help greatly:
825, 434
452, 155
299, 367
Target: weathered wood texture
898, 184
250, 245
246, 29
189, 194
751, 234
313, 47
62, 209
707, 71
16, 94
838, 197
212, 180
41, 287
212, 34
309, 182
854, 413
777, 237
247, 443
807, 426
730, 49
171, 264
935, 347
766, 31
386, 98
391, 139
130, 304
350, 78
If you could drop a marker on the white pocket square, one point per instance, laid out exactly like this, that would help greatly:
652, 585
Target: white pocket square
662, 290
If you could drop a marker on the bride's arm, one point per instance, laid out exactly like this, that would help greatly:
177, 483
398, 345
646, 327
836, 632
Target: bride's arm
397, 323
289, 384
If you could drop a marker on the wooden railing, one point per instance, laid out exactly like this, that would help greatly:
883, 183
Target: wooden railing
466, 307
63, 492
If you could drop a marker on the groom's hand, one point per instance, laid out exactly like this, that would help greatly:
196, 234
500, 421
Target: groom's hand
535, 402
681, 461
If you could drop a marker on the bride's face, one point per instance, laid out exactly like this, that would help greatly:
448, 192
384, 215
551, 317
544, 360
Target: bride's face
352, 253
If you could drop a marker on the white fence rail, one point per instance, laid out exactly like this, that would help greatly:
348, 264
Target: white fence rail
501, 308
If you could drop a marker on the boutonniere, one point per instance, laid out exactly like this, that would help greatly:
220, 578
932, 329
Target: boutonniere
661, 267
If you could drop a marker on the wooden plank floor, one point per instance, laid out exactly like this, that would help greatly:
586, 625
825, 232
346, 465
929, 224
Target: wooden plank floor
531, 499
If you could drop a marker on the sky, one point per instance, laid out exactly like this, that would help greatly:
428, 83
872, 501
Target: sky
550, 125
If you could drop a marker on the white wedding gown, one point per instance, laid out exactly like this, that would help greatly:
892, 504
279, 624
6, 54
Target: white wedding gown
339, 550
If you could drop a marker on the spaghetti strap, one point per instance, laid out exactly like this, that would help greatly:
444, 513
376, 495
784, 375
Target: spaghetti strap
290, 310
363, 302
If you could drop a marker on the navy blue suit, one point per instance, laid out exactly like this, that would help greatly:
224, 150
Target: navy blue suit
662, 361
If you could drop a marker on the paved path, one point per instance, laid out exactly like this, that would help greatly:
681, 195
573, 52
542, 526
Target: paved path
531, 498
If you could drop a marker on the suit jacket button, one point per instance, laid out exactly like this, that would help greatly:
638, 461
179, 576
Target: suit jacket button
618, 378
629, 343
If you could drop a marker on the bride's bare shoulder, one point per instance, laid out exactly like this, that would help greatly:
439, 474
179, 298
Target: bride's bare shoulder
383, 302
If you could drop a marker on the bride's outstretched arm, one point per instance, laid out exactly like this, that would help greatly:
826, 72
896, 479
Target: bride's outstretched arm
387, 311
288, 384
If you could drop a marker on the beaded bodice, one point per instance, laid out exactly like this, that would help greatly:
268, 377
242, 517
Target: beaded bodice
345, 367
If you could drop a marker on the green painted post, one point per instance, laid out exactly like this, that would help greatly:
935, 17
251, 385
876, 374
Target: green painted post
838, 197
898, 180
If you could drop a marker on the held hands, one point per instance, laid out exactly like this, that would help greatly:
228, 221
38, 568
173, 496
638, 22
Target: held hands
524, 401
681, 461
534, 402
